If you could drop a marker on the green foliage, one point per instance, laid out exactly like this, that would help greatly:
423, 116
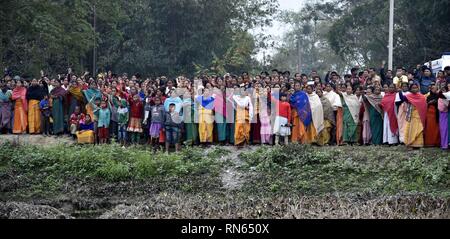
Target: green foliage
114, 171
361, 33
338, 35
305, 46
157, 37
108, 162
311, 170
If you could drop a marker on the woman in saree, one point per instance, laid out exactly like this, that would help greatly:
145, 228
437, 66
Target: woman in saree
401, 114
5, 107
364, 116
444, 119
336, 103
376, 115
220, 114
431, 133
298, 125
75, 96
416, 117
57, 95
114, 101
265, 113
351, 108
256, 124
328, 119
244, 115
92, 95
35, 94
390, 124
230, 113
190, 119
19, 95
206, 116
317, 125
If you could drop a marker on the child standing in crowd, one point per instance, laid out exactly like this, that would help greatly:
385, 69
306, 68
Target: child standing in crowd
44, 105
157, 115
122, 120
86, 134
74, 121
104, 119
172, 124
282, 125
135, 123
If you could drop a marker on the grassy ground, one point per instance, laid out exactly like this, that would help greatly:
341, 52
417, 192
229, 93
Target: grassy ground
70, 181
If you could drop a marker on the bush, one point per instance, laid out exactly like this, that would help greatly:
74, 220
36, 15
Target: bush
109, 162
314, 170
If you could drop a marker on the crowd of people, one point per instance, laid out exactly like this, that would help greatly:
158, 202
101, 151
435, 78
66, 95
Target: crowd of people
366, 107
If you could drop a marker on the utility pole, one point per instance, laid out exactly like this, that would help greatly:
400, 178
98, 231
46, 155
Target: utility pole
299, 55
94, 55
391, 34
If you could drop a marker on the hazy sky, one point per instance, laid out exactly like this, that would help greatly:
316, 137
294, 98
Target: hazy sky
278, 28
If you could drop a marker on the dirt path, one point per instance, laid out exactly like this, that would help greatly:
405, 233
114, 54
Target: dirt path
232, 178
36, 139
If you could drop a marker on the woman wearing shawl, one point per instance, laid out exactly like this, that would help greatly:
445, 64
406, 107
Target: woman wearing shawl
35, 94
92, 95
364, 116
190, 119
390, 125
57, 95
328, 119
376, 115
401, 115
75, 96
244, 115
19, 95
220, 115
231, 114
416, 116
206, 116
5, 107
317, 125
336, 102
264, 112
431, 133
444, 113
351, 108
256, 125
114, 102
298, 125
173, 99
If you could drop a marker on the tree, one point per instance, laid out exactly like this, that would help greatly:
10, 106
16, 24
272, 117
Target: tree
145, 36
305, 46
421, 31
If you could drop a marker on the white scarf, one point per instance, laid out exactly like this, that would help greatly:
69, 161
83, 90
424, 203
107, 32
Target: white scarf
317, 111
353, 104
244, 102
334, 99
